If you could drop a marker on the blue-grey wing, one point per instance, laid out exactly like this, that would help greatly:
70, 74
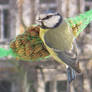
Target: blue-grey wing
70, 57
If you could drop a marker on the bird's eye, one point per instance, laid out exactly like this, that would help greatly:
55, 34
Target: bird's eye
47, 17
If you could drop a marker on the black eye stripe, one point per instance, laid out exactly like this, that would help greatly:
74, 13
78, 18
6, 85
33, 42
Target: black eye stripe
47, 26
57, 24
47, 17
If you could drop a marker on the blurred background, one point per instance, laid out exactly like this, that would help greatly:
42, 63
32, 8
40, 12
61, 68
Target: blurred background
43, 76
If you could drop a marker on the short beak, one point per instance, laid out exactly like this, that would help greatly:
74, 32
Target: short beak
39, 20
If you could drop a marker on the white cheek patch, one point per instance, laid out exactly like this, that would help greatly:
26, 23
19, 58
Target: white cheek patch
48, 23
51, 22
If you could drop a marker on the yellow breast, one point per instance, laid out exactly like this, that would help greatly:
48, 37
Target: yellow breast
52, 53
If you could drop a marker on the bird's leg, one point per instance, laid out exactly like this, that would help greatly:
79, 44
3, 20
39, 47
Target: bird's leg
71, 75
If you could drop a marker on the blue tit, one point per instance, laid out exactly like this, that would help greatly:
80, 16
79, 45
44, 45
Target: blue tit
60, 42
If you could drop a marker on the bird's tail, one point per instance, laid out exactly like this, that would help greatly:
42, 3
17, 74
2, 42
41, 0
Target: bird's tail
71, 75
70, 61
80, 21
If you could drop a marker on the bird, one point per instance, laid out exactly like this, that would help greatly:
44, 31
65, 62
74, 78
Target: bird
60, 42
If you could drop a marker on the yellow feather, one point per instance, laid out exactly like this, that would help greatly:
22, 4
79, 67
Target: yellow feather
52, 53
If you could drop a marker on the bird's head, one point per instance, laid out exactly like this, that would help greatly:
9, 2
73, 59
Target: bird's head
50, 21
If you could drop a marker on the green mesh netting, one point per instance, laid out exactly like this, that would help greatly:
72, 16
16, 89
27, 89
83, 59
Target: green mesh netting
4, 52
84, 18
8, 52
27, 46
